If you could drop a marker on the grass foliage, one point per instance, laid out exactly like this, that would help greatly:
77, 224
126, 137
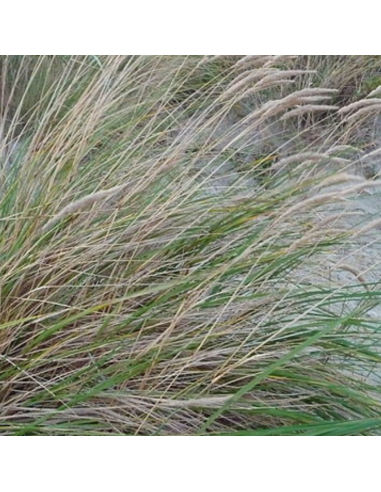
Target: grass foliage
150, 246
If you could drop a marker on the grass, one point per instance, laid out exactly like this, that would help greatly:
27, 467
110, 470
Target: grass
157, 269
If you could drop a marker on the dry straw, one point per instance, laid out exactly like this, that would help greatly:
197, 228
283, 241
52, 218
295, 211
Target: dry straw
354, 271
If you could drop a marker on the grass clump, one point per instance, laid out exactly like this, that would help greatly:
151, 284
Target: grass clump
151, 283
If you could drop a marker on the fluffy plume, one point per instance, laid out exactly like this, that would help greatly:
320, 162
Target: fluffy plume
308, 108
84, 202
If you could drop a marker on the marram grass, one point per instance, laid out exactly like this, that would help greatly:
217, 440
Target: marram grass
150, 282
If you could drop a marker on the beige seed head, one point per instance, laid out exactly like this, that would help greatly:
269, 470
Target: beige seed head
253, 60
358, 105
308, 108
364, 112
375, 92
80, 204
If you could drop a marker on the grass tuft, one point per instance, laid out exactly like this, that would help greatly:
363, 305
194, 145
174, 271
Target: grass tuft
166, 222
